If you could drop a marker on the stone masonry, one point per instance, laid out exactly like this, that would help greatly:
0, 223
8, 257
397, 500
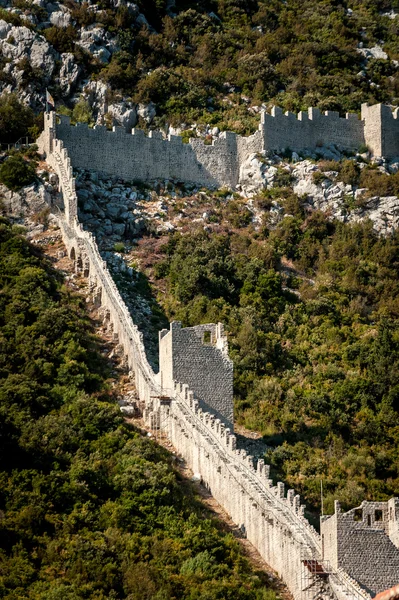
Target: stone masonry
198, 357
190, 400
364, 542
137, 156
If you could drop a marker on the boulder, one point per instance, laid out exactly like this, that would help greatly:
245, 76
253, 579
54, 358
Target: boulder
374, 52
123, 114
95, 94
4, 29
118, 229
113, 210
60, 18
147, 111
21, 42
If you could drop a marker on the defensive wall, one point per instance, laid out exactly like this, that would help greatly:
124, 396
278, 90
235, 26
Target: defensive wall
364, 542
310, 130
196, 414
138, 156
188, 354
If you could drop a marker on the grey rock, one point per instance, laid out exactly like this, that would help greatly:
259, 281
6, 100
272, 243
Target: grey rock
147, 111
113, 210
95, 94
30, 45
60, 18
102, 53
83, 194
118, 229
69, 73
107, 229
4, 29
128, 411
123, 114
374, 52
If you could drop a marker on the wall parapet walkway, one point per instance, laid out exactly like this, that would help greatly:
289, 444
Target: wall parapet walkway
135, 155
273, 520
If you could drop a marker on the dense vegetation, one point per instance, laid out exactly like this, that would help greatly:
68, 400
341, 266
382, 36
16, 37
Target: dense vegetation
210, 61
16, 120
312, 311
216, 57
88, 508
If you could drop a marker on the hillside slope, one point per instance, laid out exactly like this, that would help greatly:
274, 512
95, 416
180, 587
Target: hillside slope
213, 62
88, 508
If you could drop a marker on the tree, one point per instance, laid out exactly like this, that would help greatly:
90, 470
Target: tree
16, 172
15, 118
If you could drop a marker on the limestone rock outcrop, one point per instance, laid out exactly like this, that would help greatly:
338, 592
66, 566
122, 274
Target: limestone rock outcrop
69, 73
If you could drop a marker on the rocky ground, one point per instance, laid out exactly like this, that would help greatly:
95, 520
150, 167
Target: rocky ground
116, 210
130, 220
63, 45
30, 62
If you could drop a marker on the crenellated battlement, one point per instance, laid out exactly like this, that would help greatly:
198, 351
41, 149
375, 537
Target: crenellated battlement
135, 155
353, 540
190, 399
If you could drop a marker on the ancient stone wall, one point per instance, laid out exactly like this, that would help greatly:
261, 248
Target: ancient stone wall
138, 156
273, 521
197, 356
310, 130
362, 542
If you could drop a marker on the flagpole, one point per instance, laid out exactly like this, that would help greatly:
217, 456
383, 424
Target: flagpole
321, 494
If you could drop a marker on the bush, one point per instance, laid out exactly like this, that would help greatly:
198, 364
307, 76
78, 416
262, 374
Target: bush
10, 17
82, 112
119, 247
15, 118
283, 178
318, 177
16, 172
62, 39
350, 172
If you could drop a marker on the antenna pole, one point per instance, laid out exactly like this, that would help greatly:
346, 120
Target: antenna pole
321, 494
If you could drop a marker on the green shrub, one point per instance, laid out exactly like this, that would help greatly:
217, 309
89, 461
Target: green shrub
119, 247
63, 39
15, 118
379, 184
187, 134
283, 178
238, 214
16, 172
10, 17
349, 172
329, 165
318, 177
82, 112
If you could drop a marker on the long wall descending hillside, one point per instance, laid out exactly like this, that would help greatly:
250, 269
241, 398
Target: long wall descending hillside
273, 521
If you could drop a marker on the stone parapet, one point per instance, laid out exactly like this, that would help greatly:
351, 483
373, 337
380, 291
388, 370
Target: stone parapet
136, 156
201, 430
